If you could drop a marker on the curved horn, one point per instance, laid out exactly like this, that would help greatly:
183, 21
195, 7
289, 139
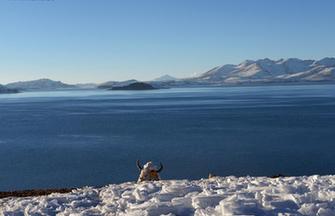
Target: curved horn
138, 164
160, 168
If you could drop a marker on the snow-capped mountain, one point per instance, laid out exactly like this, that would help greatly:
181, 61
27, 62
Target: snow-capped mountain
165, 78
40, 84
267, 70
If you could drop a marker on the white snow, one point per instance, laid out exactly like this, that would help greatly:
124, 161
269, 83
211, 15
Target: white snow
306, 195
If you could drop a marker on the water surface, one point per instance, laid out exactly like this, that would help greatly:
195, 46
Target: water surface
93, 137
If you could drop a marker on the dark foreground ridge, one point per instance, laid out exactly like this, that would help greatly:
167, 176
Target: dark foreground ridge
134, 86
27, 193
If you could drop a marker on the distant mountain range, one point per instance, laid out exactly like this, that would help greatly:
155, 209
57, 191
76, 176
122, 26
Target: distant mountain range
269, 71
262, 71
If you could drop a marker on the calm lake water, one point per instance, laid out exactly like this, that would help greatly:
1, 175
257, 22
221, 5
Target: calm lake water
93, 137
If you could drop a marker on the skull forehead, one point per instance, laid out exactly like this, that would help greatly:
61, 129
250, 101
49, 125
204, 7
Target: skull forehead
149, 165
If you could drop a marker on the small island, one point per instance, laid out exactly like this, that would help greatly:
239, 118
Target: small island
134, 86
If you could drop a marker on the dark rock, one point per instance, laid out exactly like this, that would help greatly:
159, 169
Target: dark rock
277, 176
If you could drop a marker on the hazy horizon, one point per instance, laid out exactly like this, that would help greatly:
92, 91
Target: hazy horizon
89, 41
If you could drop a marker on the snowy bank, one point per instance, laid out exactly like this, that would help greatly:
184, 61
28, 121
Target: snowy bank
306, 195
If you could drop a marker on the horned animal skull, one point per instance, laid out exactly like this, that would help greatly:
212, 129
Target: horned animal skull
148, 172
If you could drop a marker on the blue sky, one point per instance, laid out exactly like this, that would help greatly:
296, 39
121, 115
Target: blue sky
99, 40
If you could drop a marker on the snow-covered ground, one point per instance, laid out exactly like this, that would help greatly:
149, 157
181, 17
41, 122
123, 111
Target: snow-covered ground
307, 195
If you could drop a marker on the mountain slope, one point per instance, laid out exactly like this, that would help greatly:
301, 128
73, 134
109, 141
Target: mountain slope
40, 84
5, 90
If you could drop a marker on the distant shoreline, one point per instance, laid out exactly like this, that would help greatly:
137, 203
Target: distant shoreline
187, 86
